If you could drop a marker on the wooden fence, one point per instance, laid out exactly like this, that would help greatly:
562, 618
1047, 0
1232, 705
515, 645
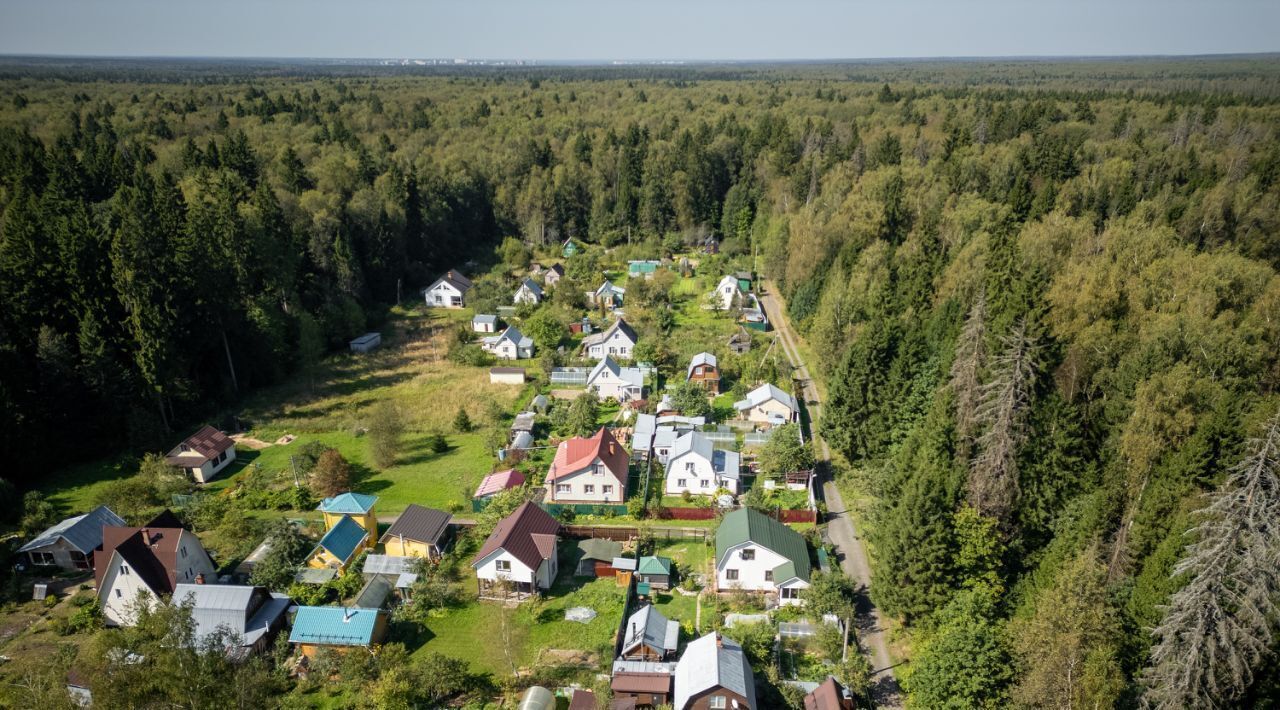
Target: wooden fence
623, 534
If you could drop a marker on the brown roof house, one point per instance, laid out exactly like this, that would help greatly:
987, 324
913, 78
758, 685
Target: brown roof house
829, 695
204, 454
418, 532
150, 561
519, 558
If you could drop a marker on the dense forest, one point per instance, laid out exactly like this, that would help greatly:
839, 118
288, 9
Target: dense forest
1042, 298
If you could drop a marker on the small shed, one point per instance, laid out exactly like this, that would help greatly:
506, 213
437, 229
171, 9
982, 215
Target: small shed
484, 323
656, 571
506, 375
624, 568
597, 554
366, 343
524, 422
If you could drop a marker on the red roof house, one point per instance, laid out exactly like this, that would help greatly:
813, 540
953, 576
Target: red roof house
589, 470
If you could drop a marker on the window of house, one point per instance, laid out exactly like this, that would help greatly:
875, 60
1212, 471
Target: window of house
80, 559
608, 490
503, 565
589, 489
748, 554
706, 483
682, 482
119, 594
790, 593
562, 488
598, 470
689, 466
768, 575
183, 551
717, 702
124, 569
731, 574
41, 558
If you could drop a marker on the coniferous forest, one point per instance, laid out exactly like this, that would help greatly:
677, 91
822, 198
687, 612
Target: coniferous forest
1041, 298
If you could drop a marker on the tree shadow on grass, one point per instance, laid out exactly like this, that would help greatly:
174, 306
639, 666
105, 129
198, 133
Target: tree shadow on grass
412, 634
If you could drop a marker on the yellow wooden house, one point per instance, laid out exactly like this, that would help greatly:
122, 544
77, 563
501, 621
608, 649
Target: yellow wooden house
357, 506
418, 532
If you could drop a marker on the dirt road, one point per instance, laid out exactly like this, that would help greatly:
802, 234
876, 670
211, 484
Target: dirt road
853, 558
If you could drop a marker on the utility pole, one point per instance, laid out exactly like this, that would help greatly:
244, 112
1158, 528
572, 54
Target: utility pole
293, 463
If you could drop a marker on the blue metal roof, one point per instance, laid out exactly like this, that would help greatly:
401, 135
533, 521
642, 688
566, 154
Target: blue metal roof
342, 539
334, 626
349, 503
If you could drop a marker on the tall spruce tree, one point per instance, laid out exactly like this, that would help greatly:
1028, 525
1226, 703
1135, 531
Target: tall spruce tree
1220, 628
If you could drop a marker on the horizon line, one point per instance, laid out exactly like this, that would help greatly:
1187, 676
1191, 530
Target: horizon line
614, 60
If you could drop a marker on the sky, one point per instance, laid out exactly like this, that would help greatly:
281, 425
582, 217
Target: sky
636, 29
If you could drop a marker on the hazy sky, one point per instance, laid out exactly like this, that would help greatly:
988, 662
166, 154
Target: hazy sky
636, 29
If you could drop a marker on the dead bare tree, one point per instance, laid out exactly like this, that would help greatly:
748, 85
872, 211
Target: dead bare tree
1218, 629
966, 370
993, 474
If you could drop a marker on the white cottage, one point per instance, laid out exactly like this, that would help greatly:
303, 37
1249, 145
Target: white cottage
529, 292
510, 344
618, 340
448, 291
697, 467
728, 293
768, 404
610, 380
757, 553
520, 554
204, 454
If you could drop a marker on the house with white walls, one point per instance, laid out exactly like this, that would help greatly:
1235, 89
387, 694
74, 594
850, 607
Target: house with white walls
696, 466
757, 553
519, 558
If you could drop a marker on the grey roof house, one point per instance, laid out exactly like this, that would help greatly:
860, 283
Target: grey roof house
714, 673
70, 543
649, 636
249, 615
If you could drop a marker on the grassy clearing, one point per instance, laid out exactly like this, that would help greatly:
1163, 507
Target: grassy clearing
410, 370
474, 631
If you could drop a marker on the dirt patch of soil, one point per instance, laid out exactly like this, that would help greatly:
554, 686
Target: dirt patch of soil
249, 442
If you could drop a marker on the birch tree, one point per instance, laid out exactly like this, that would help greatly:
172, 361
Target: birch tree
1219, 629
1005, 399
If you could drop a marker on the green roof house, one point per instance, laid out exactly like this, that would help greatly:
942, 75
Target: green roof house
569, 248
642, 268
757, 553
656, 571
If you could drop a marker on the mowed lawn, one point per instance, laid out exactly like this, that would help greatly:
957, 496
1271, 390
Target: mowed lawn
411, 370
536, 630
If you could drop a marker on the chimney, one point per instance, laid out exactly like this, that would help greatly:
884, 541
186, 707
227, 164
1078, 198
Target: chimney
347, 614
200, 578
146, 537
719, 640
